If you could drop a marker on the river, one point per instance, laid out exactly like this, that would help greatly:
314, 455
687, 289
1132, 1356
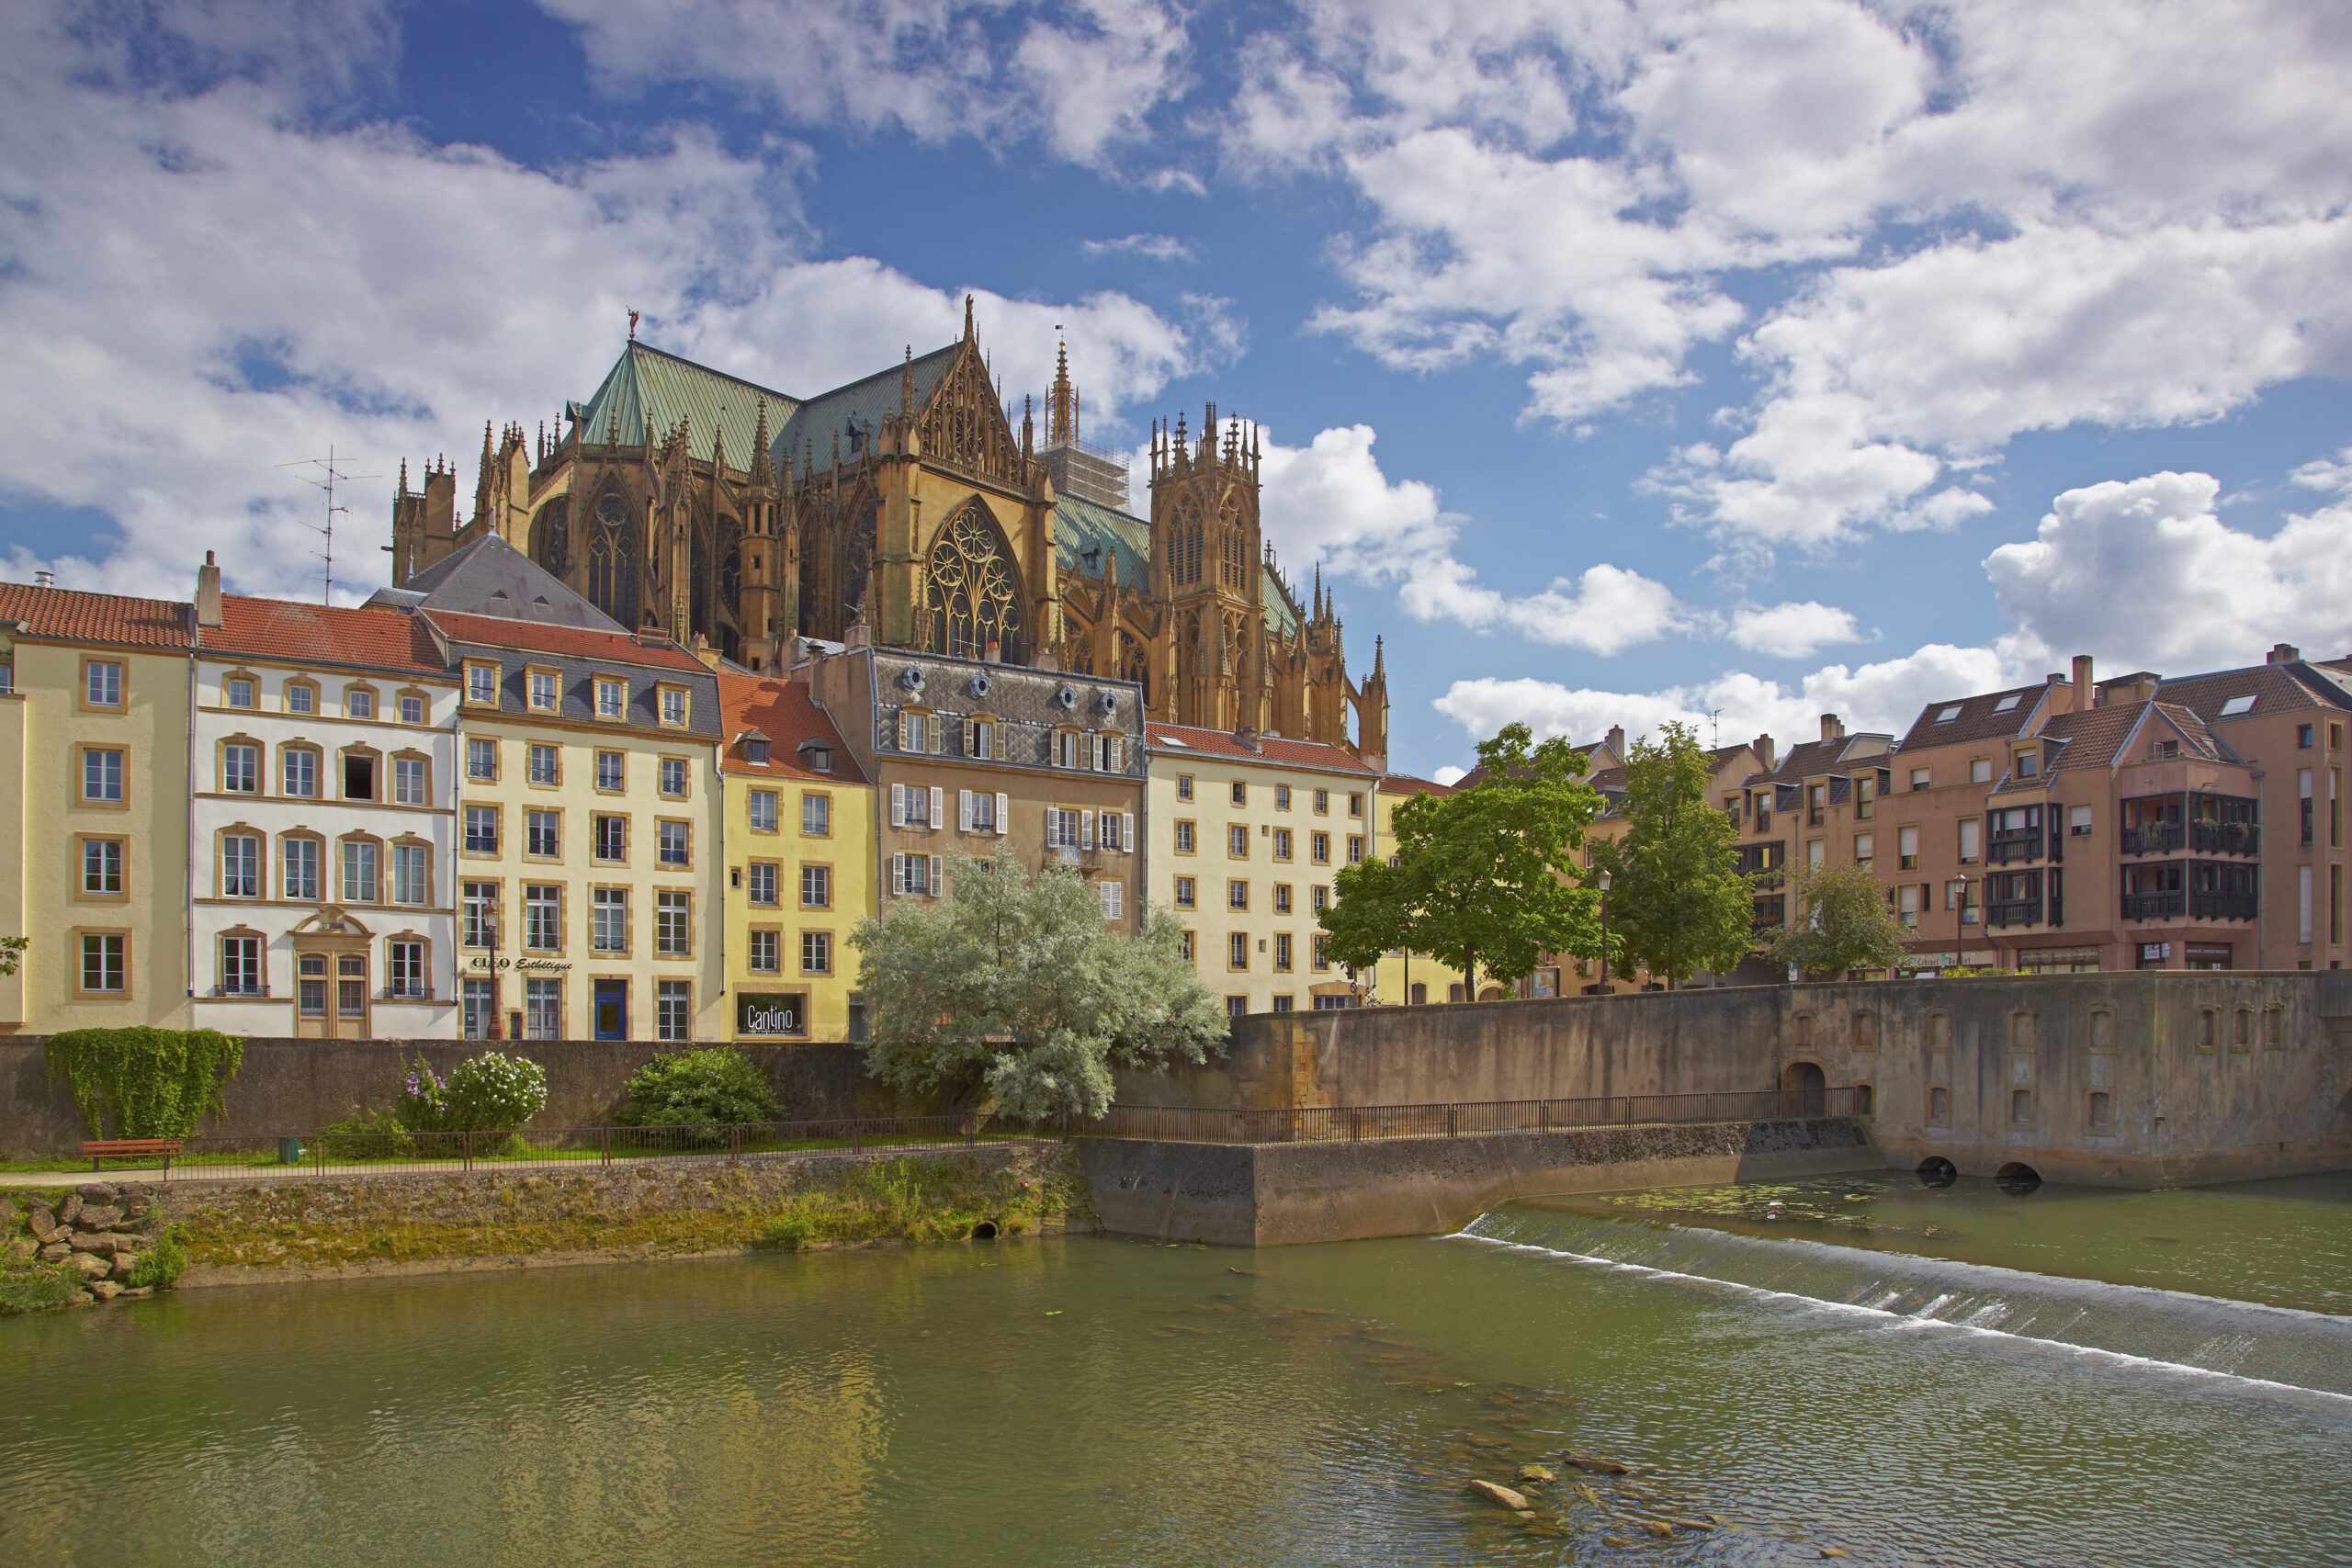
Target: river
1862, 1365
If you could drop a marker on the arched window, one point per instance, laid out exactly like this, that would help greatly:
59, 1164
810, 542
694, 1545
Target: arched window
552, 537
974, 596
1133, 665
612, 560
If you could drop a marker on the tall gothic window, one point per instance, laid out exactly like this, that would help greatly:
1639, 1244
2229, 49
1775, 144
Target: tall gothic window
552, 537
1133, 664
612, 560
1184, 549
1233, 552
974, 596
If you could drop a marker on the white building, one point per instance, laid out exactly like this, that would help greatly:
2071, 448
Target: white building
321, 821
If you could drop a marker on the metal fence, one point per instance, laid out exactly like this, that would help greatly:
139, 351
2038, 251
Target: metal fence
1341, 1124
391, 1151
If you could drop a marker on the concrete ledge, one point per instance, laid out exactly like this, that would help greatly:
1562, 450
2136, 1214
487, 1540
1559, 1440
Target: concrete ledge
1276, 1195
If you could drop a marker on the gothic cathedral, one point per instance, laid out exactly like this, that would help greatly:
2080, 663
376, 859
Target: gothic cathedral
737, 518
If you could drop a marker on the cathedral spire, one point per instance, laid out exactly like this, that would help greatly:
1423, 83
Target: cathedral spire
763, 470
907, 382
1061, 404
1028, 429
404, 490
967, 317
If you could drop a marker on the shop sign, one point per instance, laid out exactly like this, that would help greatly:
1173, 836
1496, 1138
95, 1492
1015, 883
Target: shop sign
771, 1012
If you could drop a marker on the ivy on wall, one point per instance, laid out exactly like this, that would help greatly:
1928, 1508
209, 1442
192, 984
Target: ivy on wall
145, 1083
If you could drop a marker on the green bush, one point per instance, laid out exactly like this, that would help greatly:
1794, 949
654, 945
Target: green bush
163, 1263
145, 1083
789, 1232
691, 1088
31, 1290
370, 1135
492, 1092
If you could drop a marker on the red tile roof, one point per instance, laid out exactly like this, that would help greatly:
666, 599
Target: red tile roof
783, 711
1270, 748
281, 628
570, 642
1814, 758
2274, 687
1405, 784
1980, 717
68, 614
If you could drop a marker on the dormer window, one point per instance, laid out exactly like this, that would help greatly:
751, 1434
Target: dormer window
820, 760
756, 750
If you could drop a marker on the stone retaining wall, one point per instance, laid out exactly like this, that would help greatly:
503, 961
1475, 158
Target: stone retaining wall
1274, 1194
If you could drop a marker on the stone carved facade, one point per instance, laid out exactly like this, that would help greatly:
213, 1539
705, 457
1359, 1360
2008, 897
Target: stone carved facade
910, 505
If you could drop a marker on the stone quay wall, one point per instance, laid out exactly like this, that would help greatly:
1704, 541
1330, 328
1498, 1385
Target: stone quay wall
2131, 1079
1279, 1194
298, 1086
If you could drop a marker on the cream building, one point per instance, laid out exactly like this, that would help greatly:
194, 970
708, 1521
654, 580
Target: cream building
319, 883
94, 808
1244, 834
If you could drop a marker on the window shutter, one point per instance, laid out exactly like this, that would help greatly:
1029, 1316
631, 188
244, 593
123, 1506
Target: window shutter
1086, 829
1003, 816
898, 875
996, 741
898, 806
1118, 899
971, 737
935, 876
905, 732
1053, 828
1127, 831
938, 735
1118, 755
963, 810
938, 806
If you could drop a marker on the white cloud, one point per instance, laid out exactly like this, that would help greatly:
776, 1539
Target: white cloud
2144, 574
1450, 775
2326, 473
1081, 75
200, 287
1330, 502
1884, 696
1793, 629
1144, 247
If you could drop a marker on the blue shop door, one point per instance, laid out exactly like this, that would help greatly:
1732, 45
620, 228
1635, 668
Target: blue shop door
612, 1009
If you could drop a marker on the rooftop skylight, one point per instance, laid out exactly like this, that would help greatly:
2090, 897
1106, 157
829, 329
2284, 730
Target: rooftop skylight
2006, 703
2236, 705
1948, 714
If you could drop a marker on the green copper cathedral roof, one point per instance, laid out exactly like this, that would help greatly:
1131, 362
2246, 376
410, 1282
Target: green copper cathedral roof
647, 390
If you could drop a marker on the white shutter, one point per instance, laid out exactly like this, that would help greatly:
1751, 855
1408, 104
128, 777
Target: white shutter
935, 872
938, 734
938, 806
1003, 816
963, 810
1127, 831
898, 806
1086, 829
971, 737
1118, 755
996, 741
898, 875
905, 732
1114, 899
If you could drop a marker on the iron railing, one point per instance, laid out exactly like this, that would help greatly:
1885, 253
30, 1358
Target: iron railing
2154, 839
390, 1151
2154, 905
2012, 912
1347, 1123
2006, 847
2223, 906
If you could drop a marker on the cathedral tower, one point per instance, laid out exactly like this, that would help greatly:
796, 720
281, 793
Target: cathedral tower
1207, 547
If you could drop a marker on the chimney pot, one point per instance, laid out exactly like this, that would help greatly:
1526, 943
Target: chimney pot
1617, 741
1762, 747
2284, 653
1831, 728
207, 593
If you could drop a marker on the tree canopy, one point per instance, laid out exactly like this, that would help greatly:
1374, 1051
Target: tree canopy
1013, 988
1485, 877
1839, 922
1678, 902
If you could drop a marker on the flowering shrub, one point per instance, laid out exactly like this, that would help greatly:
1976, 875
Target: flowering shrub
423, 1103
494, 1092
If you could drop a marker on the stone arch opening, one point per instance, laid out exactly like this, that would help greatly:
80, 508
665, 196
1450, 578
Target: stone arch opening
1804, 1090
1936, 1171
2017, 1178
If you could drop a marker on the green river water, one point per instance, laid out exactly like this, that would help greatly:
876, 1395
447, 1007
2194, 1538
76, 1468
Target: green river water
1902, 1375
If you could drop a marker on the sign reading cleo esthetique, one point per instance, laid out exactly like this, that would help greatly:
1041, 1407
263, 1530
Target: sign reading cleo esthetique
770, 1012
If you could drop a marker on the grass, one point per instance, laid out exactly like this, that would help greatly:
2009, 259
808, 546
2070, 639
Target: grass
36, 1289
380, 1155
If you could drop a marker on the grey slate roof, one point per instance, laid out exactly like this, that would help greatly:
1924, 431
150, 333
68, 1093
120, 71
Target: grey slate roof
490, 577
1024, 698
860, 406
578, 701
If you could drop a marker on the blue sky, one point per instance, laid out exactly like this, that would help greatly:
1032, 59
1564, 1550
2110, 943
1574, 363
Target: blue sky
1736, 362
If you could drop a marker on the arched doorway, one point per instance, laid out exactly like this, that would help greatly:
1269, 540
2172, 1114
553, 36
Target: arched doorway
1804, 1090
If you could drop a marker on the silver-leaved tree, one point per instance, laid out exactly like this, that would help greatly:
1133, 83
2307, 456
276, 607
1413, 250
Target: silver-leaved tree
1013, 988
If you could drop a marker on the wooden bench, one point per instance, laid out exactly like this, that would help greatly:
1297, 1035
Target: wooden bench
123, 1148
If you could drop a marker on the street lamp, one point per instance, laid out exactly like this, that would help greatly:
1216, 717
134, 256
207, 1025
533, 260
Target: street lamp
1604, 933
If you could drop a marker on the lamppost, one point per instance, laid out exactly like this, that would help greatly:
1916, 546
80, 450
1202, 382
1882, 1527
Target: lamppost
1604, 934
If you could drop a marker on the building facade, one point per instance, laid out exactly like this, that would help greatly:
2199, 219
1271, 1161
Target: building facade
691, 502
320, 884
1245, 835
966, 755
94, 808
797, 820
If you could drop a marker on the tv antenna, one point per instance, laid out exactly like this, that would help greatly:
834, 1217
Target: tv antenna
330, 476
1715, 719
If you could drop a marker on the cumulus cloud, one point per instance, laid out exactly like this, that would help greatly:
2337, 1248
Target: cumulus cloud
2144, 572
1081, 76
1792, 629
1884, 696
1330, 502
204, 282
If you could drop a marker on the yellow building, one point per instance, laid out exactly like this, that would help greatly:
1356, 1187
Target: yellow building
798, 822
93, 804
1415, 978
1244, 835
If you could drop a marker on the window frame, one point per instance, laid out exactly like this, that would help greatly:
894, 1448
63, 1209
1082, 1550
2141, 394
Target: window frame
121, 868
309, 688
464, 825
663, 693
534, 672
83, 751
319, 870
221, 749
316, 754
419, 759
221, 837
128, 989
530, 815
824, 869
121, 668
533, 751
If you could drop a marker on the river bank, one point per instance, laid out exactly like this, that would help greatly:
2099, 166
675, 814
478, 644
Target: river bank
272, 1231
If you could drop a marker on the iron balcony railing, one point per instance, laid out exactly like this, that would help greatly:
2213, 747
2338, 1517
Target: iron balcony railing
2154, 839
2225, 838
2155, 905
2223, 906
2003, 847
406, 993
1346, 1123
234, 988
2012, 912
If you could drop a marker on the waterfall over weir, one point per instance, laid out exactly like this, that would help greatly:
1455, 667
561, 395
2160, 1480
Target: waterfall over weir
2172, 1333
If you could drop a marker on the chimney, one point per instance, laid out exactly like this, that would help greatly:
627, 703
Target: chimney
2085, 689
1617, 741
207, 593
1762, 747
2284, 653
1831, 729
44, 580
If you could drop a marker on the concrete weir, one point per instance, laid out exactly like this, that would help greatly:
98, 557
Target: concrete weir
1276, 1195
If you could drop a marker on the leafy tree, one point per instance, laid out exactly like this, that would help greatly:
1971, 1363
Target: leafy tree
1677, 900
1841, 921
1486, 876
1013, 988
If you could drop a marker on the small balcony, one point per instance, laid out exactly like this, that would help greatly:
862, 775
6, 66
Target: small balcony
2005, 848
2157, 838
2222, 905
411, 992
1770, 912
253, 992
2224, 838
2012, 912
2155, 905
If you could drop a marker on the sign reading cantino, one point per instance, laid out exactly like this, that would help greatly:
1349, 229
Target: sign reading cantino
771, 1012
